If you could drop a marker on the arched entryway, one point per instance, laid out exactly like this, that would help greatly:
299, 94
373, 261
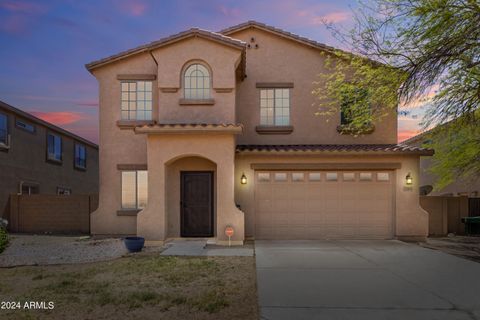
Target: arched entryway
191, 197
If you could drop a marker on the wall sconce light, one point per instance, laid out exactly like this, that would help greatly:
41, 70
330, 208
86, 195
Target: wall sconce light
243, 179
408, 179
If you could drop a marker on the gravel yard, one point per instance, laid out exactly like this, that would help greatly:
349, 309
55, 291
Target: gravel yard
461, 246
28, 250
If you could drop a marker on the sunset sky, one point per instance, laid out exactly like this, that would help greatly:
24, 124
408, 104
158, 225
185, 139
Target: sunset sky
45, 44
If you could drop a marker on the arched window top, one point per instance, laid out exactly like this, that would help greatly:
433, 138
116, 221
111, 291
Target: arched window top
197, 82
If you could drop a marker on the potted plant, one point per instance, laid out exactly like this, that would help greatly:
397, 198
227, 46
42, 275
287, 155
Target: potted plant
134, 244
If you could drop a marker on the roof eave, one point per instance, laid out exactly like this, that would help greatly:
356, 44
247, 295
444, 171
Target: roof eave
236, 44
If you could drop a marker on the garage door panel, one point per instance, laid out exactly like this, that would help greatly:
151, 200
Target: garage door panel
292, 208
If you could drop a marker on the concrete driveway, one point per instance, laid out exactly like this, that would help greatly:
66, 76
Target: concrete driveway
364, 280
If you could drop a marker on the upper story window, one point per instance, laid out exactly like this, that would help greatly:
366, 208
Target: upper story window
54, 147
3, 129
275, 107
136, 100
355, 103
196, 82
80, 156
25, 126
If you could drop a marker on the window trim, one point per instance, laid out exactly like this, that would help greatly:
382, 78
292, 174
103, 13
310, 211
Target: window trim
283, 128
136, 101
54, 161
122, 208
192, 101
4, 146
75, 166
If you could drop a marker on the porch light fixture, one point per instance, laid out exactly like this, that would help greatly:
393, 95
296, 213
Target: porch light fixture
408, 179
243, 179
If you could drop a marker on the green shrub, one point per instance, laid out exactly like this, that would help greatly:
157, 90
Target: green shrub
3, 239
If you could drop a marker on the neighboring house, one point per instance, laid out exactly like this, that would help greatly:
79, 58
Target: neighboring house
37, 157
461, 187
204, 130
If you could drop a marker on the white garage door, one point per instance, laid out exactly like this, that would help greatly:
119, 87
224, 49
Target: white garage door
324, 205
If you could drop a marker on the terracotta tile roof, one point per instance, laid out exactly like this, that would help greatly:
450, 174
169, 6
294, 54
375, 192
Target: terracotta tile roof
278, 31
165, 41
377, 148
291, 36
189, 127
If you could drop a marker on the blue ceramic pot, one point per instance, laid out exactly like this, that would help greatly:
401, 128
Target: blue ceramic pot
134, 244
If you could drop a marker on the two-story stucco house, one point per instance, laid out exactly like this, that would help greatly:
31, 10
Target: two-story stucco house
204, 130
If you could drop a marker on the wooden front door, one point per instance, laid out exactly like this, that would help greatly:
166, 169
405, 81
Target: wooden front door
196, 203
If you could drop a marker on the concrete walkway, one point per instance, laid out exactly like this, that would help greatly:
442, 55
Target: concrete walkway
202, 248
364, 280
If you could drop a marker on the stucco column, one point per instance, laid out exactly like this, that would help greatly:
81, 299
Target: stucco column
227, 212
152, 221
411, 220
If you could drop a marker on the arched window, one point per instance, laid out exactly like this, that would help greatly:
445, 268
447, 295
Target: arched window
197, 82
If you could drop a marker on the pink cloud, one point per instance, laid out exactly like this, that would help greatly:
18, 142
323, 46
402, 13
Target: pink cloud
135, 8
81, 103
15, 24
59, 118
406, 134
87, 103
23, 7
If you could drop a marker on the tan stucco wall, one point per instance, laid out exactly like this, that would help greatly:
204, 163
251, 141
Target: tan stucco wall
282, 60
118, 146
221, 60
173, 189
410, 219
276, 60
152, 222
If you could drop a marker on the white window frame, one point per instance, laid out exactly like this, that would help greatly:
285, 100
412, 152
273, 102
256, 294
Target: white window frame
136, 104
136, 207
6, 143
269, 101
200, 82
78, 166
49, 157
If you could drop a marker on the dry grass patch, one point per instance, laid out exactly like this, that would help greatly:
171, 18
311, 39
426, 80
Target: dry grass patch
136, 287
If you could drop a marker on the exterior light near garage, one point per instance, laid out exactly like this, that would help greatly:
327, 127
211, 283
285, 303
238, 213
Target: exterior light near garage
408, 179
243, 179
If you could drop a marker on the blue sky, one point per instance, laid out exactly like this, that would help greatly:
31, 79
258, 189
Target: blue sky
44, 45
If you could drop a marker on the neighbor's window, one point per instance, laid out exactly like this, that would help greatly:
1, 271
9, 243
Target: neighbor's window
3, 129
275, 107
54, 147
29, 189
80, 156
197, 82
134, 189
64, 191
25, 126
136, 100
355, 103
